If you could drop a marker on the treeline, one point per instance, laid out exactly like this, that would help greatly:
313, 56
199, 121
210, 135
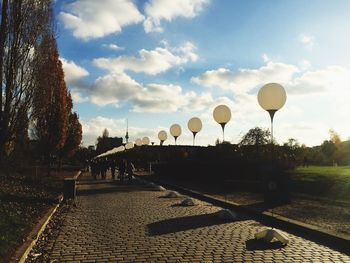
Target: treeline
332, 151
36, 108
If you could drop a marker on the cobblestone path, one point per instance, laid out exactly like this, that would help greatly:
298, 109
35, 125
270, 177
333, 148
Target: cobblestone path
132, 223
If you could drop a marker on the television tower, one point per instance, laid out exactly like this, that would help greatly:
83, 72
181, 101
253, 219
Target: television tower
127, 133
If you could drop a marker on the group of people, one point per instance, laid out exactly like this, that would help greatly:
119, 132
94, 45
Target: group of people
121, 169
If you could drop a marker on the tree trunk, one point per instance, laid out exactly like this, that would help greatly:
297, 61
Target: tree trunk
3, 27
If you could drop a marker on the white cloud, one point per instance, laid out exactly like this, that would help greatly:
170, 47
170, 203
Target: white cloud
305, 65
246, 79
94, 19
72, 72
265, 57
94, 127
158, 10
319, 81
119, 88
221, 77
308, 41
78, 96
113, 47
297, 81
150, 61
114, 89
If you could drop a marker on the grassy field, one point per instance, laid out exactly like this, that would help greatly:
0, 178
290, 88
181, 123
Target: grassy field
324, 171
332, 182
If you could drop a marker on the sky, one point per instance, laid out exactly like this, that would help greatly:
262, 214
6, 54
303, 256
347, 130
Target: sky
160, 62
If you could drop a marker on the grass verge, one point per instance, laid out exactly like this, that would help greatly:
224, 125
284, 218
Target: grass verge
24, 197
331, 182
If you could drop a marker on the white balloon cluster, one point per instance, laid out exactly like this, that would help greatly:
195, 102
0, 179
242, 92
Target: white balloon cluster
271, 98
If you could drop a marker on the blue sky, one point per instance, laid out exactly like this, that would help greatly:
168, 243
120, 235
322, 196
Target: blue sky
159, 62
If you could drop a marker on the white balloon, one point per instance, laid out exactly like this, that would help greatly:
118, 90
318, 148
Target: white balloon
222, 114
194, 125
272, 96
162, 135
138, 142
175, 130
145, 141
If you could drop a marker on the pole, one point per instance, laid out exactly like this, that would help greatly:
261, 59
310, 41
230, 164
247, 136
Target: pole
223, 131
272, 114
272, 130
194, 136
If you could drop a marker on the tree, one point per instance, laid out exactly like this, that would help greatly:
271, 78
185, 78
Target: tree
50, 101
256, 136
74, 131
21, 141
105, 143
23, 23
102, 142
105, 133
74, 135
292, 144
339, 152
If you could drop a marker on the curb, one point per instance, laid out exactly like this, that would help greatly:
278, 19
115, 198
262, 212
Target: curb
337, 241
22, 253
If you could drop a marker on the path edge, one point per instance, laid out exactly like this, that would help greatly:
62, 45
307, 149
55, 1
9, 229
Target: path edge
338, 242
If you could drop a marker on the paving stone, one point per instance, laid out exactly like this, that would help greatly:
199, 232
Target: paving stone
131, 223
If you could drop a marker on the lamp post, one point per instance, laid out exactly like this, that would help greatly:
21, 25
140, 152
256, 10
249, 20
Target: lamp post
271, 98
145, 141
195, 126
175, 131
222, 115
162, 136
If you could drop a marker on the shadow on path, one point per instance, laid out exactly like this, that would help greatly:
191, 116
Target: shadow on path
254, 244
177, 224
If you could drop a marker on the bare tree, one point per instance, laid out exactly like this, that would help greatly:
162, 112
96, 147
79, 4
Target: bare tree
23, 23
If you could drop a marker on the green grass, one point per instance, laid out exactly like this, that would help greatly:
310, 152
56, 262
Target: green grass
332, 171
322, 181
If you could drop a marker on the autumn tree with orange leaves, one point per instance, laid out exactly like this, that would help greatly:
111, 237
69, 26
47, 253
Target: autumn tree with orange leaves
74, 131
50, 101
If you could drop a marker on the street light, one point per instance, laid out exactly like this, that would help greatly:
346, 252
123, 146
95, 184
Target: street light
271, 98
195, 126
222, 115
162, 136
145, 141
175, 131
